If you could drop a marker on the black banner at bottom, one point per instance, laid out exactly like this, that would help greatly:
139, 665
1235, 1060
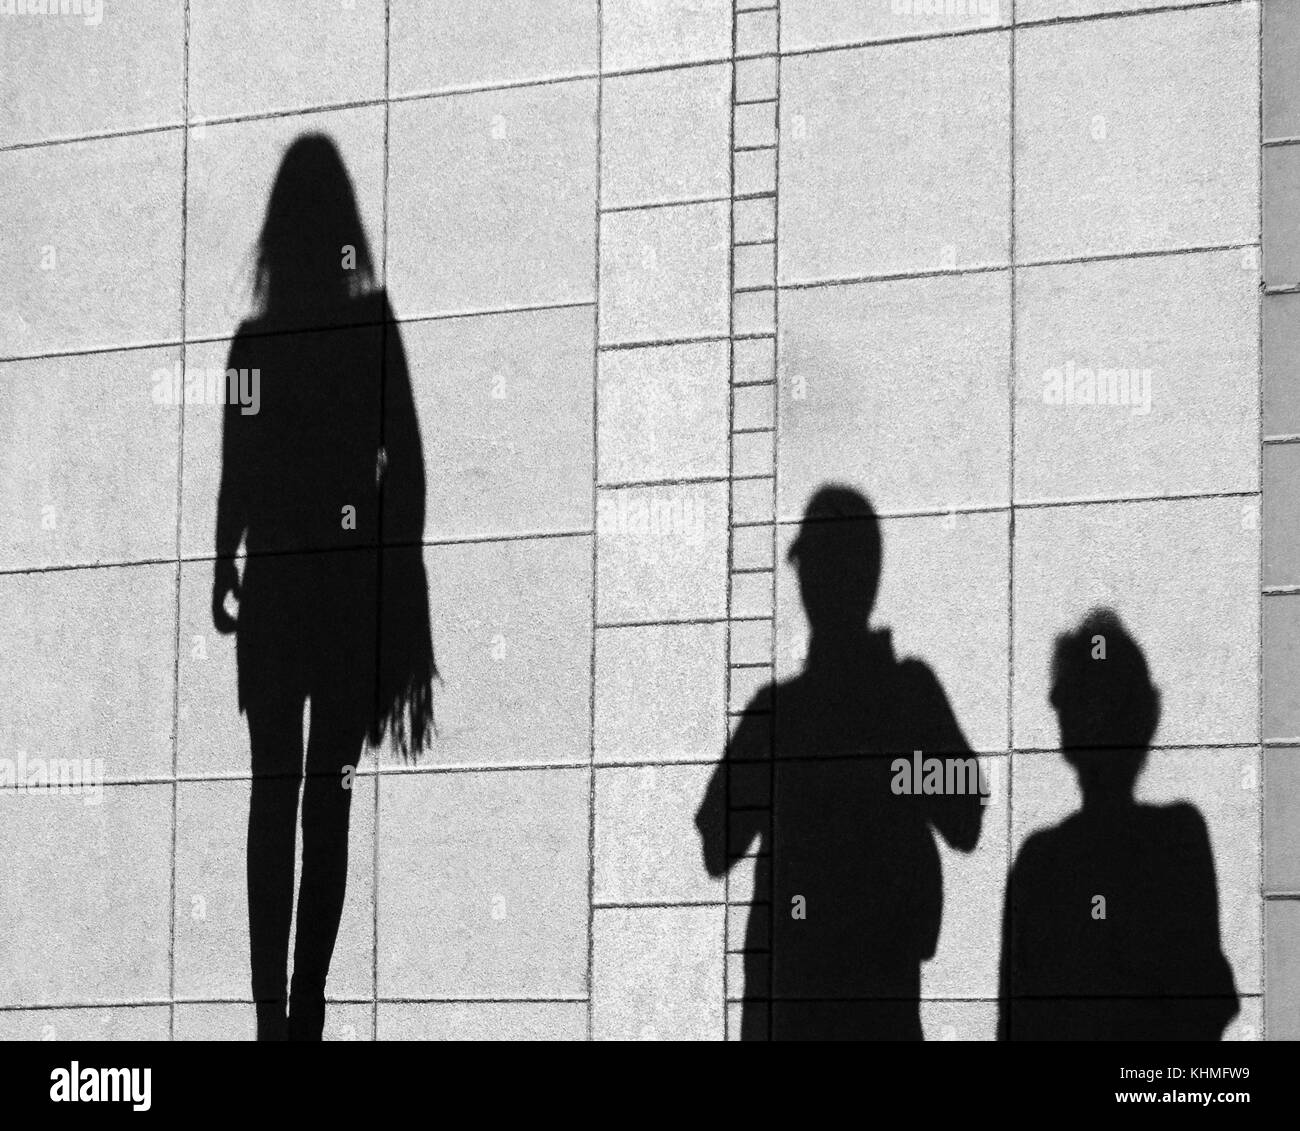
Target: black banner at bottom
333, 1081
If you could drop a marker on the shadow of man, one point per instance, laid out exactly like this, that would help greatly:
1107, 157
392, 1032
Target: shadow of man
1111, 921
850, 858
329, 441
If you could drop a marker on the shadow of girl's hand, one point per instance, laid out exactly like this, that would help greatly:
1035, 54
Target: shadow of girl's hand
225, 583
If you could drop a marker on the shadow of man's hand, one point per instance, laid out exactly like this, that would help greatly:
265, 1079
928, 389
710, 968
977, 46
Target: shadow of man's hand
225, 583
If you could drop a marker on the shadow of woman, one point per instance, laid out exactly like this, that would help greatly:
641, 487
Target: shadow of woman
850, 860
1111, 922
325, 468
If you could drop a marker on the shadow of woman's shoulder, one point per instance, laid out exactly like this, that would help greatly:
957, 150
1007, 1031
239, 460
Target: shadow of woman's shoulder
252, 327
367, 308
761, 702
1171, 828
1175, 823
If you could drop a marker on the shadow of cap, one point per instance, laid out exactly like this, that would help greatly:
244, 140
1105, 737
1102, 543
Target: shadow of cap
821, 528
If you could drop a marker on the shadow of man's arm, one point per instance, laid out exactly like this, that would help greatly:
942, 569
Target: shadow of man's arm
956, 813
726, 833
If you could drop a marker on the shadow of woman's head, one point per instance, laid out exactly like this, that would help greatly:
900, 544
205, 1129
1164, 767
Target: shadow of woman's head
1106, 704
312, 252
837, 555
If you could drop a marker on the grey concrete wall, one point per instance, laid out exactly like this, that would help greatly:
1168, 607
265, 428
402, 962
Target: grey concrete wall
1281, 129
662, 268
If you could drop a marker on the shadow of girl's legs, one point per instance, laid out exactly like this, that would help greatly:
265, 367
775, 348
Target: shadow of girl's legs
335, 742
275, 733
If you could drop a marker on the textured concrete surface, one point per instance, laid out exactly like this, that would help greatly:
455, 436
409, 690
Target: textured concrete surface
235, 1021
660, 693
1186, 325
537, 150
661, 553
637, 34
514, 657
65, 504
1282, 930
1281, 523
453, 44
1199, 632
60, 79
663, 413
1281, 192
65, 258
661, 269
507, 401
865, 195
484, 1021
829, 23
1282, 820
89, 930
1281, 427
691, 120
645, 833
1281, 47
869, 376
1137, 134
486, 882
1281, 665
1032, 10
1281, 361
93, 653
254, 59
658, 974
663, 274
212, 905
